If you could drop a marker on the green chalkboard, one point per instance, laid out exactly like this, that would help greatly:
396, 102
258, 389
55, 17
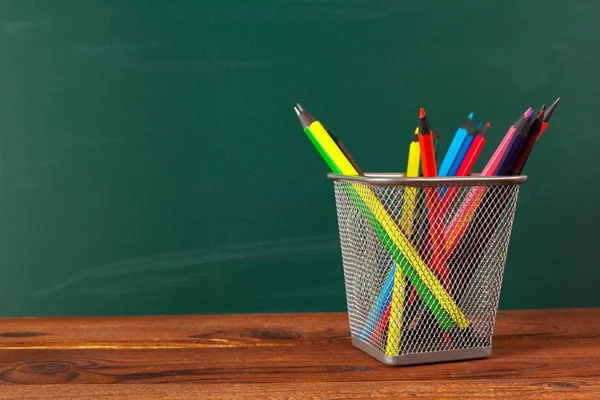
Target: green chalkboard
151, 161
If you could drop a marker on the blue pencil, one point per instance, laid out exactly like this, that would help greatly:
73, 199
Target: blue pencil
463, 150
457, 141
378, 309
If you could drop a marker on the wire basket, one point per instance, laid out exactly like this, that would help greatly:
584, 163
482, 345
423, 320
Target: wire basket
423, 262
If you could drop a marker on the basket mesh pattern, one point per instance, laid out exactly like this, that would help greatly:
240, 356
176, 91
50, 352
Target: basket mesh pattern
423, 266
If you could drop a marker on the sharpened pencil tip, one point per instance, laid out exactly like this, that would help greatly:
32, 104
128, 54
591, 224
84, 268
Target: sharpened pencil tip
416, 130
299, 107
528, 113
484, 130
541, 113
479, 124
422, 113
470, 116
550, 110
297, 111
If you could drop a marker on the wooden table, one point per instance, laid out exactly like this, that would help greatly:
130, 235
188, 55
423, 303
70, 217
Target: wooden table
550, 354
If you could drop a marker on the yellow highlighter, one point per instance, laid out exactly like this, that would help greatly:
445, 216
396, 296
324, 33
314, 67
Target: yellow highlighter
392, 347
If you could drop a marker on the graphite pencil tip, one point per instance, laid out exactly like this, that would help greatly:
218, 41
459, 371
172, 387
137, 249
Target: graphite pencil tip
467, 122
550, 110
524, 129
541, 113
475, 131
305, 118
483, 131
424, 127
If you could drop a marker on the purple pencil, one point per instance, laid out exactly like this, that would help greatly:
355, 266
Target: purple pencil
514, 146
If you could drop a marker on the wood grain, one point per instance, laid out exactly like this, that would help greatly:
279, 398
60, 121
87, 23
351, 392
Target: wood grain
536, 354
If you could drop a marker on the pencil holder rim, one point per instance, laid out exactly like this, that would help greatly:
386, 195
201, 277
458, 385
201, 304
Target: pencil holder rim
398, 179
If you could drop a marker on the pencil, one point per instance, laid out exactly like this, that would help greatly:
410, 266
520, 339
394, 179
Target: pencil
457, 142
410, 193
514, 147
471, 157
547, 116
492, 165
433, 199
426, 145
456, 227
464, 149
530, 140
428, 287
306, 119
466, 166
396, 307
461, 155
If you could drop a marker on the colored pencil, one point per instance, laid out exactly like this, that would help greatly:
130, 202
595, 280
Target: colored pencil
456, 227
457, 142
410, 193
547, 116
396, 306
490, 167
474, 150
432, 198
530, 140
426, 144
514, 147
467, 164
423, 279
464, 149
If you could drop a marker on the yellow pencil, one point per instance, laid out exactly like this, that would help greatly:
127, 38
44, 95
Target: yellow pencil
410, 193
389, 226
392, 347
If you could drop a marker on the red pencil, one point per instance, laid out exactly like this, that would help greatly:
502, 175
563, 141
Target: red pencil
547, 116
432, 195
382, 327
473, 153
426, 146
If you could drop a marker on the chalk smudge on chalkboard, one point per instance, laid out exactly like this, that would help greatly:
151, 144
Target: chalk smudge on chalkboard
12, 28
200, 258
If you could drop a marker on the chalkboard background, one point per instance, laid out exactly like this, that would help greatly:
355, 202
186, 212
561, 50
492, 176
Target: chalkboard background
151, 161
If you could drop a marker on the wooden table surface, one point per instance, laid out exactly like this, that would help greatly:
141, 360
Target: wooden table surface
547, 354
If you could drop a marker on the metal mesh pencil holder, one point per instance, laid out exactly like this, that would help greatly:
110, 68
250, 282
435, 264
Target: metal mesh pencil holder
423, 262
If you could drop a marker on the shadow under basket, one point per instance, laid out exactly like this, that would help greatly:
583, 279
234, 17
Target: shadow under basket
423, 262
